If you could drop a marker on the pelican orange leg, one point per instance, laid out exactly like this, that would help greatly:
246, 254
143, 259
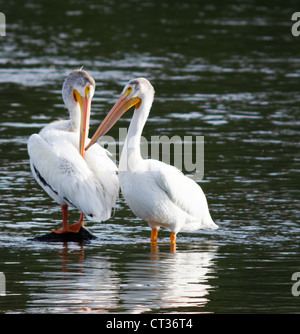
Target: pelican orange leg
173, 242
66, 228
173, 238
76, 226
154, 233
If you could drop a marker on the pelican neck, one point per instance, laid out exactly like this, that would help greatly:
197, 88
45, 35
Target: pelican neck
131, 149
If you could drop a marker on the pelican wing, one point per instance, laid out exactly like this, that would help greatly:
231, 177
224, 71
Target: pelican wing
182, 191
58, 165
105, 170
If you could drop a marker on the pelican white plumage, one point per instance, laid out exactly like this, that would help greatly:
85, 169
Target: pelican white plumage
60, 165
156, 192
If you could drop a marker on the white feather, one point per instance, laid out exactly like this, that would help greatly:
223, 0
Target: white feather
90, 184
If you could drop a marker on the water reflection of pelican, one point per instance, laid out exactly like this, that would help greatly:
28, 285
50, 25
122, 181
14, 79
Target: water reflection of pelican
137, 283
156, 192
169, 281
76, 284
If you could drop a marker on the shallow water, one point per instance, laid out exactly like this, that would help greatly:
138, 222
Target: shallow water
226, 71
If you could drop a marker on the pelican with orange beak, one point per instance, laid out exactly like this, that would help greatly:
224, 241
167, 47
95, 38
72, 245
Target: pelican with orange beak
60, 165
155, 192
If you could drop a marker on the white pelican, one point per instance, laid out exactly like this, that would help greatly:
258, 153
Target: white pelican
156, 192
71, 177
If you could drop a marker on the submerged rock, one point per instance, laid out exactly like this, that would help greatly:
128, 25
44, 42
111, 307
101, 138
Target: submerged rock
83, 235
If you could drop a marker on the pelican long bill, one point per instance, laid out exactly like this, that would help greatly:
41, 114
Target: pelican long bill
85, 109
121, 106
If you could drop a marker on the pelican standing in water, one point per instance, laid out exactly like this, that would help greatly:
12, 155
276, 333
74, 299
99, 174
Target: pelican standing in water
60, 165
156, 192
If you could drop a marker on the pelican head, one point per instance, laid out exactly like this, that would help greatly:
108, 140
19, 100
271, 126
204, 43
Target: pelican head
135, 93
78, 91
140, 88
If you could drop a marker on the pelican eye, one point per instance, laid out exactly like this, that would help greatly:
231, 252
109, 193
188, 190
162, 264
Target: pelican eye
129, 90
87, 90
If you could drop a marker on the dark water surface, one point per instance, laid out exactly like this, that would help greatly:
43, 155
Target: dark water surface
228, 71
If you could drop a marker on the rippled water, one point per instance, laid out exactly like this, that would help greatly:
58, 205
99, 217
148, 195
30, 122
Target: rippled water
227, 71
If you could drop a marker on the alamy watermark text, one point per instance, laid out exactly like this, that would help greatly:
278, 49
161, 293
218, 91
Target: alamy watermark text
186, 154
296, 25
2, 24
